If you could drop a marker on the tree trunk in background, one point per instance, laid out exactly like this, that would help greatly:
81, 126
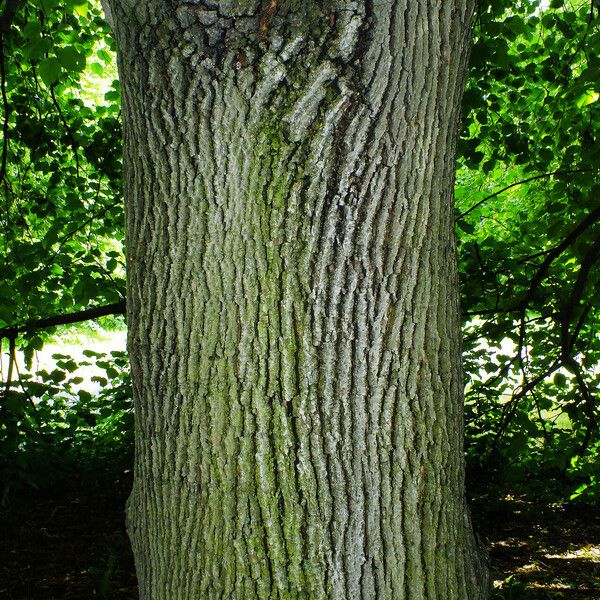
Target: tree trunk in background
293, 317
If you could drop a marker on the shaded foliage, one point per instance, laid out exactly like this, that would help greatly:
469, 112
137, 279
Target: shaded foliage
59, 427
60, 175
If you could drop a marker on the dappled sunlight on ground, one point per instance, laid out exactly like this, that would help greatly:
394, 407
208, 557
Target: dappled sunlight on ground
70, 544
541, 551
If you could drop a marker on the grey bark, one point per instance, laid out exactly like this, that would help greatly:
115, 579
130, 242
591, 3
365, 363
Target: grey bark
292, 298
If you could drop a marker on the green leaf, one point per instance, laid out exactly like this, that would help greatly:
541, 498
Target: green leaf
560, 380
105, 56
50, 70
71, 59
36, 48
46, 5
81, 8
588, 97
97, 68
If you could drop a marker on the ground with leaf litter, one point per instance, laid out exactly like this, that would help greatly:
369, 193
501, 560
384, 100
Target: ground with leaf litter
69, 543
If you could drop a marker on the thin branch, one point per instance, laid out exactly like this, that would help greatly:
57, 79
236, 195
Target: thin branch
566, 359
510, 407
28, 395
579, 325
516, 183
118, 308
542, 271
74, 144
11, 362
568, 340
5, 110
572, 302
65, 238
547, 434
7, 385
588, 400
556, 252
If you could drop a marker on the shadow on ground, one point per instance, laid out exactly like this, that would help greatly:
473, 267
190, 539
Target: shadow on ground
540, 550
67, 543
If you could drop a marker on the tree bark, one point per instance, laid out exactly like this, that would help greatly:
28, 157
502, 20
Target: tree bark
292, 298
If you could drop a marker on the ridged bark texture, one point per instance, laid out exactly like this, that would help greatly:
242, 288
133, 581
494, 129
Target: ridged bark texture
292, 299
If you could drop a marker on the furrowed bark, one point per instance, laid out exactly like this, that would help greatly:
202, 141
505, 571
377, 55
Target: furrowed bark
292, 298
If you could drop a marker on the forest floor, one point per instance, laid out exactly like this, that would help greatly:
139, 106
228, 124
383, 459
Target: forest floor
69, 543
540, 550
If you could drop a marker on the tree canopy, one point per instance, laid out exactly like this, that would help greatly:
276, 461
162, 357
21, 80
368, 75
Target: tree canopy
528, 223
528, 216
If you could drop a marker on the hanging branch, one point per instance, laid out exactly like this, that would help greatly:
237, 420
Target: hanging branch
36, 413
8, 383
565, 359
572, 302
568, 339
542, 271
5, 106
70, 135
11, 364
510, 407
588, 400
6, 19
556, 252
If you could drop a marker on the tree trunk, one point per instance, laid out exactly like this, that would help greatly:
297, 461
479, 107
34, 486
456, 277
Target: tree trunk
292, 298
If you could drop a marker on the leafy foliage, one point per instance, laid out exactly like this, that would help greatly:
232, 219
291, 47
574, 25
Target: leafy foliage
529, 251
528, 216
61, 216
54, 424
60, 175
